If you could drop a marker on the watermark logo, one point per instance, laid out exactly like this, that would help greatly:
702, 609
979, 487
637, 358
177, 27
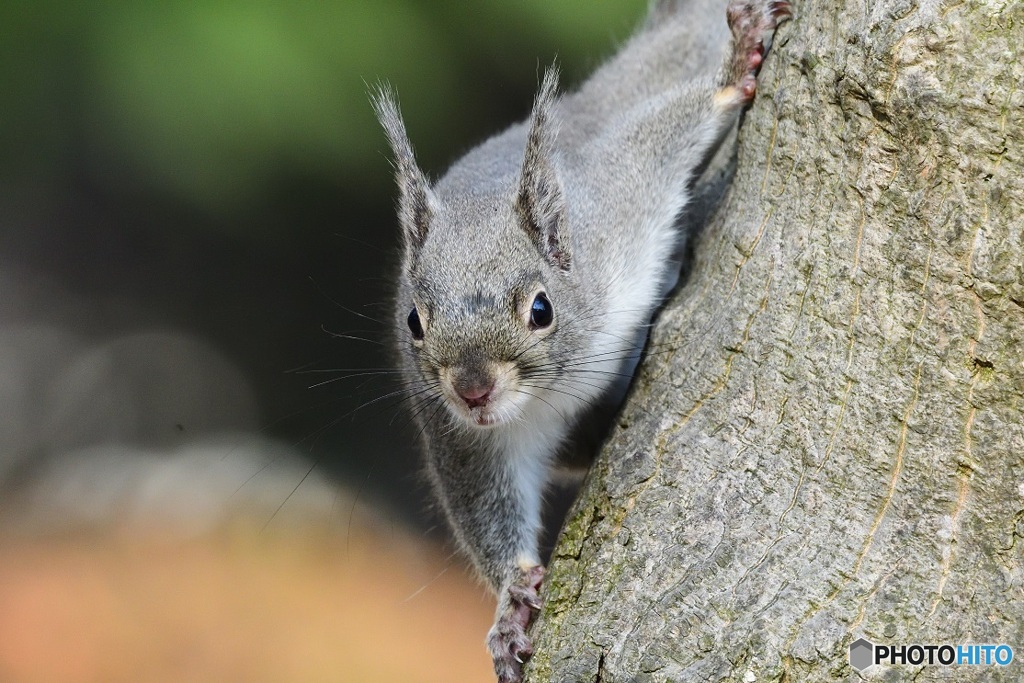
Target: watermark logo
864, 653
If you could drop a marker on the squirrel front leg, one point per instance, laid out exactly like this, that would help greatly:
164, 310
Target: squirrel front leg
639, 173
691, 120
490, 492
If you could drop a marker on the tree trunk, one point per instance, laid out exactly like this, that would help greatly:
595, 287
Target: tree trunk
825, 441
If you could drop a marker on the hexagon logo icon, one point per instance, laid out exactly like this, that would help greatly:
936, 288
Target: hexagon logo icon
861, 654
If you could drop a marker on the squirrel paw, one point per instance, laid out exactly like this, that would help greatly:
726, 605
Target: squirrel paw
752, 24
509, 645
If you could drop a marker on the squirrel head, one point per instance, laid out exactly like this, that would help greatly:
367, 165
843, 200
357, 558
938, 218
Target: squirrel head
487, 296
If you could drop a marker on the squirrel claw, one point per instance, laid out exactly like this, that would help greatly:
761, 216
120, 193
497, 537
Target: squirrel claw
752, 24
509, 645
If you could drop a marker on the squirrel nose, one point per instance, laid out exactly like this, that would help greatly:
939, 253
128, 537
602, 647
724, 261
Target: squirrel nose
475, 395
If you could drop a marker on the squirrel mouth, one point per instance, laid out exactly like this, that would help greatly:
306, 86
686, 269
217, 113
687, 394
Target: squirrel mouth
481, 416
480, 398
485, 419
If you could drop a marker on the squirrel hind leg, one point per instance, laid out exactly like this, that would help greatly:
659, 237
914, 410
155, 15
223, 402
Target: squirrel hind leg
507, 641
753, 23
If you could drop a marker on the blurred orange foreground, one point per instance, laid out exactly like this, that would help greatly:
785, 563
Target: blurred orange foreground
237, 604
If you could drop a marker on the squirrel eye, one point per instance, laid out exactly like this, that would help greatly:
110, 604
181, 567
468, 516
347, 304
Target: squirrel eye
414, 325
541, 313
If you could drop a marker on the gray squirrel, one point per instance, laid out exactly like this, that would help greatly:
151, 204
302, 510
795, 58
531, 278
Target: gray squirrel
531, 270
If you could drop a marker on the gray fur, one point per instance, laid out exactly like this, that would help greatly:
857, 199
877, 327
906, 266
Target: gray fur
582, 202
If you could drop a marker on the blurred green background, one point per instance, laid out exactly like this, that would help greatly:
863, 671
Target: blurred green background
214, 169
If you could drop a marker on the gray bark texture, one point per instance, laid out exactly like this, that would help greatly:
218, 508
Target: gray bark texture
825, 441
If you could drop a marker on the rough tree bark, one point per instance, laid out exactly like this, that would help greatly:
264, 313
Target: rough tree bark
826, 439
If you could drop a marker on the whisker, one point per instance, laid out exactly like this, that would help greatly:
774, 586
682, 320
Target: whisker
433, 580
313, 371
343, 335
541, 398
341, 306
561, 391
440, 405
386, 252
415, 392
344, 377
290, 494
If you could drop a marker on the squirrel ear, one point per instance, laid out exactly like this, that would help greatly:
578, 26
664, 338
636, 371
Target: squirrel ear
539, 198
416, 201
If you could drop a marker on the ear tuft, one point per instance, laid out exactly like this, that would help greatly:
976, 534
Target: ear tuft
416, 201
539, 198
